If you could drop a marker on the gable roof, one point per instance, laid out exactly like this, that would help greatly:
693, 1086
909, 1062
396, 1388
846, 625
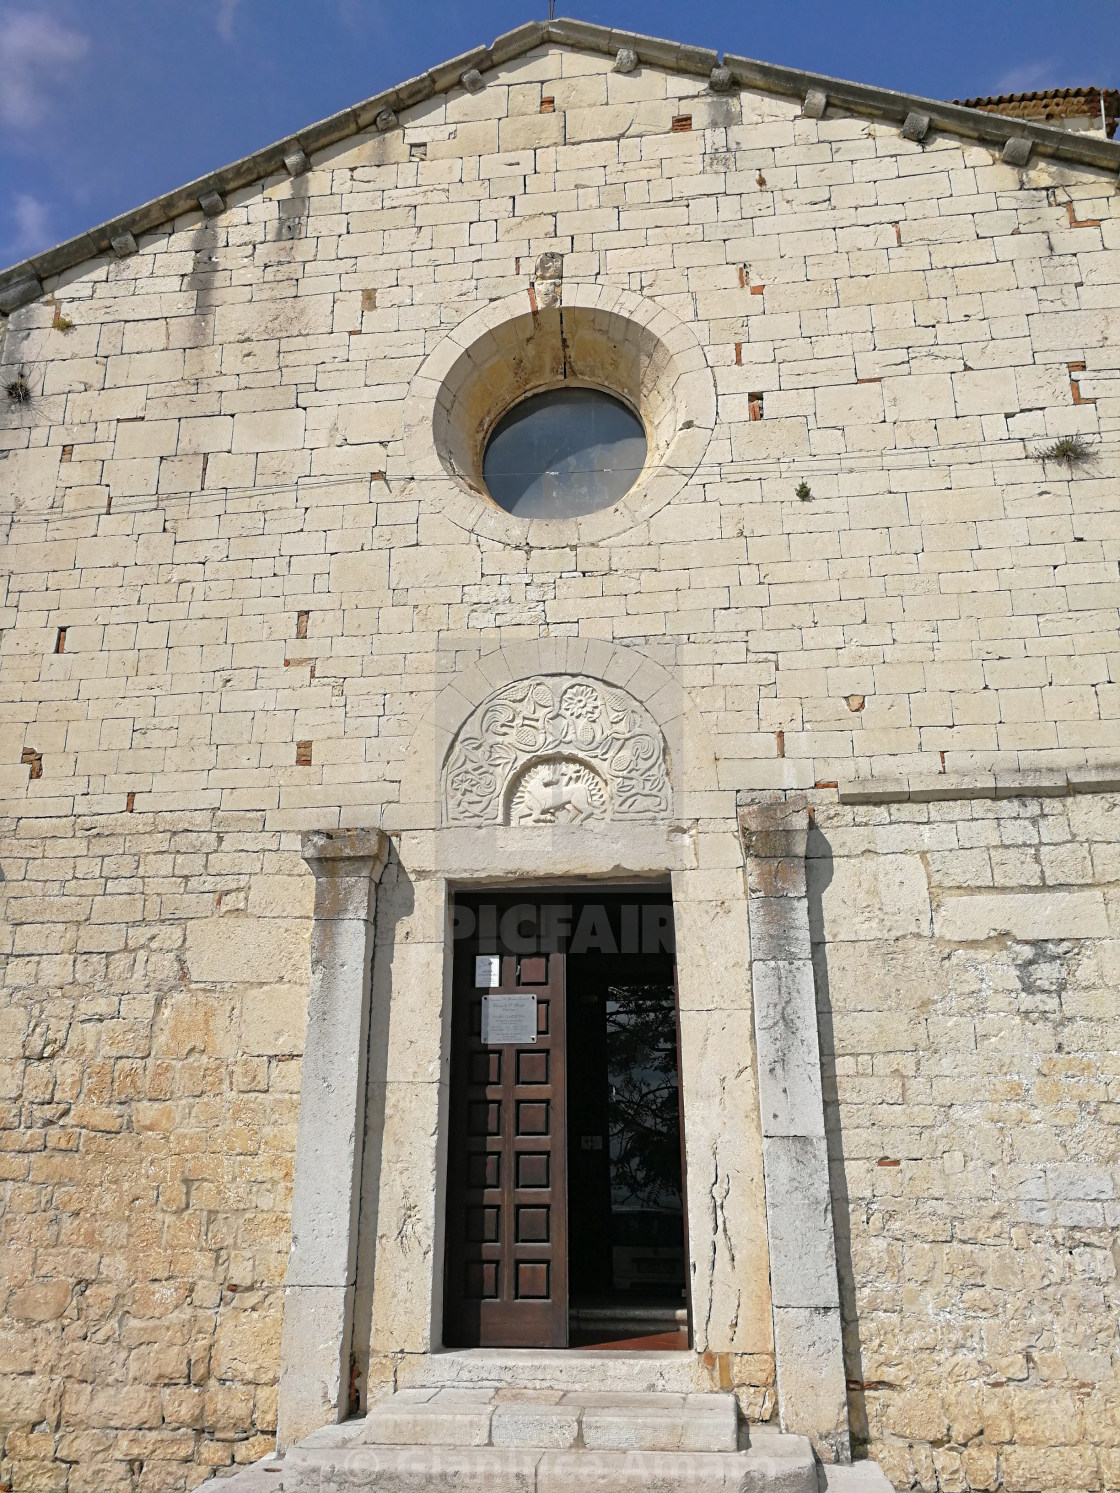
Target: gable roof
1053, 103
22, 282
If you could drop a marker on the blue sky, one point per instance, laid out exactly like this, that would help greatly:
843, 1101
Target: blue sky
105, 103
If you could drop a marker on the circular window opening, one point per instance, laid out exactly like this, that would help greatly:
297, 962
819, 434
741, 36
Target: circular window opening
564, 453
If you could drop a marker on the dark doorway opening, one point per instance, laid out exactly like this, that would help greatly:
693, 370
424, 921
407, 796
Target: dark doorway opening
626, 1242
596, 1089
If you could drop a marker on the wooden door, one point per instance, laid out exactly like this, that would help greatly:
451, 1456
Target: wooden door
507, 1256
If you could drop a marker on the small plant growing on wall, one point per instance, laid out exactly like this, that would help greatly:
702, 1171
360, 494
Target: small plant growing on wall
1073, 450
18, 389
803, 491
62, 322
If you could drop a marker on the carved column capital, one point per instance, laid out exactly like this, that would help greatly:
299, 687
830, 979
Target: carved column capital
347, 865
775, 831
346, 852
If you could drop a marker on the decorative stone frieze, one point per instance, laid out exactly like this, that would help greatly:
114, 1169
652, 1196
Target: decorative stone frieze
557, 749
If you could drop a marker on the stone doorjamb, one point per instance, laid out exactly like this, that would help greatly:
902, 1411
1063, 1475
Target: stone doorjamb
319, 1286
805, 1292
401, 1246
696, 845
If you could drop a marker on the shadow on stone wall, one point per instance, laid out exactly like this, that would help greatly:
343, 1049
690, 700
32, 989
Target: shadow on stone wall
395, 903
819, 873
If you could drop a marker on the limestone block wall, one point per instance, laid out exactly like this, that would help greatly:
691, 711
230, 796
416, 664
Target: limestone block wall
227, 603
154, 1003
215, 448
968, 977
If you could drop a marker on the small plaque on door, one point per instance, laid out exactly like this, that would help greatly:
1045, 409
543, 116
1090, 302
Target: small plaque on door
508, 1018
487, 971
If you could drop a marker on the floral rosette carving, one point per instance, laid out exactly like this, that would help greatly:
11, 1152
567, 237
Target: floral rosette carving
556, 750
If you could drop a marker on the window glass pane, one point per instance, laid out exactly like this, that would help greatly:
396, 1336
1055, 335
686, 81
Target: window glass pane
564, 453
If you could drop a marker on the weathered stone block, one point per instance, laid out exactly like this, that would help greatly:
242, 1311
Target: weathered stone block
802, 1250
41, 1301
273, 1020
1029, 915
915, 126
789, 1074
314, 1364
239, 950
19, 293
812, 1392
815, 104
123, 243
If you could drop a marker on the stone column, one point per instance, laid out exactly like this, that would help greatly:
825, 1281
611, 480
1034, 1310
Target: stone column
319, 1287
812, 1396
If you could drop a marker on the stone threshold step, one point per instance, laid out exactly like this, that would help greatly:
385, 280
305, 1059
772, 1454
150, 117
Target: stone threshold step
783, 1464
267, 1476
558, 1419
554, 1368
675, 1316
860, 1477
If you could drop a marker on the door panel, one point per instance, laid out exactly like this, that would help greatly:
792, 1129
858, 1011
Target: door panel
507, 1283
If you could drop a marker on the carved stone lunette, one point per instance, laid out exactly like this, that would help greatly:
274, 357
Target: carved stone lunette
556, 749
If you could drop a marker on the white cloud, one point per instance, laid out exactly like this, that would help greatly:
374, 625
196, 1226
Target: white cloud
227, 10
1030, 77
32, 220
35, 51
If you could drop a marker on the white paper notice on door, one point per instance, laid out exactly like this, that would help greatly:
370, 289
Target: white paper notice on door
508, 1018
487, 971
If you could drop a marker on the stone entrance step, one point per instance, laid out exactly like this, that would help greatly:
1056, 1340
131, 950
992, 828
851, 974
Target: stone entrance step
559, 1368
267, 1475
516, 1441
553, 1418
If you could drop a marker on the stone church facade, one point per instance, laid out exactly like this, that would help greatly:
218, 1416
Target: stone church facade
837, 677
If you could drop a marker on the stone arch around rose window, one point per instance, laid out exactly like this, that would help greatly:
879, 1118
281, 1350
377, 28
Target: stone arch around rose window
589, 336
555, 749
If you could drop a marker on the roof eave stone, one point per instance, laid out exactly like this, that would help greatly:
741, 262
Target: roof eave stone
517, 42
885, 103
446, 76
856, 98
